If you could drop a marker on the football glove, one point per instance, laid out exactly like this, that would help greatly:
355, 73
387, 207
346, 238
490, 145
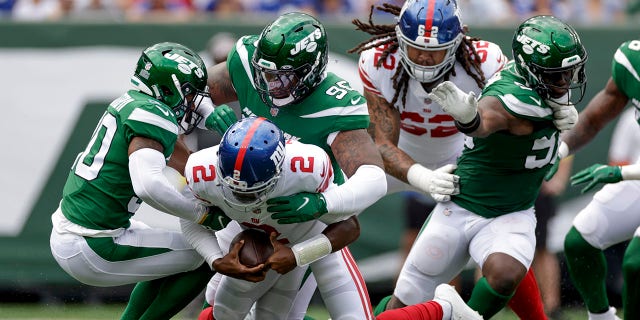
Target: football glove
597, 173
221, 118
439, 183
565, 116
215, 219
461, 106
300, 207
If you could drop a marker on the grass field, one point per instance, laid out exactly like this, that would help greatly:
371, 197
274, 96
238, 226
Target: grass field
112, 311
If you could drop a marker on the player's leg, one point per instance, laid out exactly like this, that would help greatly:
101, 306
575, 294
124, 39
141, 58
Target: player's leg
173, 294
438, 255
276, 302
631, 272
526, 302
504, 249
604, 222
139, 254
234, 297
303, 297
447, 304
342, 287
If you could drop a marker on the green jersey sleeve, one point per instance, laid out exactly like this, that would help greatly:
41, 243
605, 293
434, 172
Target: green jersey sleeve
625, 69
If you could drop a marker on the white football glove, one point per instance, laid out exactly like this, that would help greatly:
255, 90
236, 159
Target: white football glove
565, 116
439, 183
461, 106
205, 108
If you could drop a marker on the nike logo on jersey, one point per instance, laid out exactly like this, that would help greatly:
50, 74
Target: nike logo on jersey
163, 110
355, 100
306, 200
536, 100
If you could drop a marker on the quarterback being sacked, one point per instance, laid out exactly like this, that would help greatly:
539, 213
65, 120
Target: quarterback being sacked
253, 163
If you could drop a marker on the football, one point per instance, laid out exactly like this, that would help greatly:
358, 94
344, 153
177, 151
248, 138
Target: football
256, 249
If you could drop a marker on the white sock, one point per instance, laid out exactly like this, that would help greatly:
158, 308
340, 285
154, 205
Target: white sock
609, 315
446, 308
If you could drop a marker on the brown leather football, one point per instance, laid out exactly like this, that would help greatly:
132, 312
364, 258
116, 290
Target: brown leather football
256, 249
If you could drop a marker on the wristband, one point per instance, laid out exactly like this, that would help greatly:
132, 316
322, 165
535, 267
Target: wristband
630, 172
311, 250
469, 126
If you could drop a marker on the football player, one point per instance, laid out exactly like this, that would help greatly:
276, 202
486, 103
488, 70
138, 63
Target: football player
512, 143
281, 75
251, 164
399, 66
612, 216
94, 238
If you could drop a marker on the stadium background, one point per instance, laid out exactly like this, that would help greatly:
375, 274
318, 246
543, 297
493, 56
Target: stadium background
55, 81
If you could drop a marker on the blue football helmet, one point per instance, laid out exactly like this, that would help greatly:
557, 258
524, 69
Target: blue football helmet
429, 25
250, 159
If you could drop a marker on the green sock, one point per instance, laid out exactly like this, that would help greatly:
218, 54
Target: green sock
588, 270
170, 294
381, 306
307, 318
485, 300
141, 298
631, 285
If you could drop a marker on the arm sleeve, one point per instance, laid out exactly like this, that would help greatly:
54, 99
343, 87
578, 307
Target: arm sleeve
367, 185
151, 185
203, 240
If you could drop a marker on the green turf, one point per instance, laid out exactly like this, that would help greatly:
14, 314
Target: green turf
112, 311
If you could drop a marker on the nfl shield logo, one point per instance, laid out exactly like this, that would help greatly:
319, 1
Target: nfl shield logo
274, 111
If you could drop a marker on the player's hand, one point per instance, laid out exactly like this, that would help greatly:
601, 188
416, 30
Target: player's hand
221, 118
460, 105
215, 219
565, 116
441, 183
597, 173
230, 265
282, 260
300, 207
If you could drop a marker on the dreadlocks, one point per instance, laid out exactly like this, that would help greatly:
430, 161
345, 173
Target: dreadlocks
385, 35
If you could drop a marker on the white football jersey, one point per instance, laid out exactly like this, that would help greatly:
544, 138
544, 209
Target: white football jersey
427, 133
305, 168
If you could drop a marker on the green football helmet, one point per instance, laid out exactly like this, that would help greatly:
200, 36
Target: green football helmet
549, 54
175, 75
290, 59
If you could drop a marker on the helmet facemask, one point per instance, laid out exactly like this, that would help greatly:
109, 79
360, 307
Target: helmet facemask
422, 73
280, 87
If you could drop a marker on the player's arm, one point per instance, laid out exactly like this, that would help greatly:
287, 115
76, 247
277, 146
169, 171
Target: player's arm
220, 86
384, 129
206, 244
334, 237
605, 106
477, 118
146, 165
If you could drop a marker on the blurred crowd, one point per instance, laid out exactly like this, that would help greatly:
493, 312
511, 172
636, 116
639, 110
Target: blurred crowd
474, 12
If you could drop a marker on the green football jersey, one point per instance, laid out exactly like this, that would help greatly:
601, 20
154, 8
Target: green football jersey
625, 71
332, 106
98, 193
502, 173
